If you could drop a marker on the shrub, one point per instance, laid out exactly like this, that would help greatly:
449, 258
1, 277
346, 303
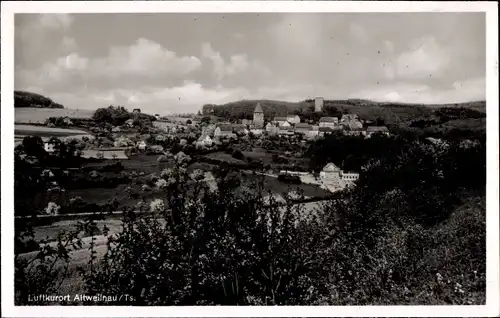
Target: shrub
237, 154
289, 179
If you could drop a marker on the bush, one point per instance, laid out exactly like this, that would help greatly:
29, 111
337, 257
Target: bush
289, 179
237, 154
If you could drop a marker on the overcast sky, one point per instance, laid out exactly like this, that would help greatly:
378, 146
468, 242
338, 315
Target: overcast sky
164, 62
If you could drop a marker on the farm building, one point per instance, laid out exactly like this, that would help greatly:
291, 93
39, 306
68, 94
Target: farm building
136, 110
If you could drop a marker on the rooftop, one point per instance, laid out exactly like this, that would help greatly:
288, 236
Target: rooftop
328, 120
258, 109
376, 128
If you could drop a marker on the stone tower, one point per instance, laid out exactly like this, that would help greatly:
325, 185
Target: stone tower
258, 116
318, 104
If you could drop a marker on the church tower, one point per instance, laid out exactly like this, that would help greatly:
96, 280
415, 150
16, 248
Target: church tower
258, 116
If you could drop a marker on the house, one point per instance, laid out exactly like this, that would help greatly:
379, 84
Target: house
157, 148
330, 173
349, 176
352, 131
256, 131
208, 130
49, 147
376, 129
293, 119
258, 116
285, 131
136, 110
141, 145
322, 131
273, 130
204, 141
280, 121
314, 132
67, 121
335, 179
224, 131
331, 122
157, 116
302, 128
130, 123
247, 122
240, 129
269, 126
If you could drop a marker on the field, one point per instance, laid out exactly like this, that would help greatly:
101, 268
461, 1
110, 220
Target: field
29, 130
40, 115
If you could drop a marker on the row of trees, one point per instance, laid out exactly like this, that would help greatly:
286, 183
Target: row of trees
118, 115
27, 99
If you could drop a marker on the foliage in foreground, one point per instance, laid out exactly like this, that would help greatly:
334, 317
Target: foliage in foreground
412, 232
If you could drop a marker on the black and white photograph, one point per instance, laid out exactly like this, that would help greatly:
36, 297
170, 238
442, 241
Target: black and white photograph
249, 158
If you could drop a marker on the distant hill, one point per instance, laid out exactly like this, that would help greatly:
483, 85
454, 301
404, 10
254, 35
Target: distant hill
27, 99
391, 113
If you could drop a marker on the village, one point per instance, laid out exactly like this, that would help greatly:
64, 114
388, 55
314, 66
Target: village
146, 143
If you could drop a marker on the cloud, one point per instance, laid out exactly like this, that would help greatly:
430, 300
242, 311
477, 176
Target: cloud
460, 91
141, 61
358, 32
427, 58
55, 21
68, 44
146, 58
389, 46
238, 63
298, 35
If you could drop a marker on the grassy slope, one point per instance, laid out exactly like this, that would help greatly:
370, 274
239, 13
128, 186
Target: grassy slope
392, 113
